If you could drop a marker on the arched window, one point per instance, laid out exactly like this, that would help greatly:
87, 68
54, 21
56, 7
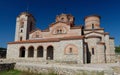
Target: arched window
31, 51
60, 30
71, 49
21, 31
22, 52
50, 53
62, 19
92, 51
92, 26
40, 51
57, 31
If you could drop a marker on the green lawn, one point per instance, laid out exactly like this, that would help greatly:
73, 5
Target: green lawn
16, 72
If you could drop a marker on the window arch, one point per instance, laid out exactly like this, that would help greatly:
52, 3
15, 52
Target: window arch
40, 51
50, 53
22, 51
60, 30
31, 51
71, 49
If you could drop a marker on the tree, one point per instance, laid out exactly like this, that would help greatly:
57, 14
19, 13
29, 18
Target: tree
117, 49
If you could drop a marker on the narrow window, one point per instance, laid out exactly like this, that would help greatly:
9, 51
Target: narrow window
92, 51
70, 51
62, 19
92, 26
21, 31
60, 31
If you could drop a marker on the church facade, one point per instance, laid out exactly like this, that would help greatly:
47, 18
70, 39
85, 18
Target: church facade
63, 41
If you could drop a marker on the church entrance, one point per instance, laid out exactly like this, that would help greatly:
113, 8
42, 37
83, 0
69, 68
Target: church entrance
50, 53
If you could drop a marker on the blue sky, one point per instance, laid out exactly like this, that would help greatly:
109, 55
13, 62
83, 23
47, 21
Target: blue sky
45, 12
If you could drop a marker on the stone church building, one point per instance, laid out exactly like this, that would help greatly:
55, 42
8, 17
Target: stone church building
63, 41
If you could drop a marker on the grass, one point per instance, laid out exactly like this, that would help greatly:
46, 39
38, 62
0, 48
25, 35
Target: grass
16, 72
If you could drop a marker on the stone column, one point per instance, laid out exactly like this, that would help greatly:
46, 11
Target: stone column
35, 53
26, 53
45, 54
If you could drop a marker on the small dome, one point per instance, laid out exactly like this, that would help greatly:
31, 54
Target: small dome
65, 18
92, 22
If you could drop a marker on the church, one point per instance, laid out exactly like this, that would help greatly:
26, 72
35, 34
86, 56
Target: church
62, 42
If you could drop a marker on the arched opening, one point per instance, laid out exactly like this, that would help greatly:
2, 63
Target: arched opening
50, 53
31, 51
21, 31
22, 52
40, 51
71, 49
92, 26
93, 51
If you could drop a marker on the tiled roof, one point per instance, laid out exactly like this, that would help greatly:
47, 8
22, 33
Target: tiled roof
35, 30
48, 40
92, 16
76, 27
58, 22
92, 36
103, 33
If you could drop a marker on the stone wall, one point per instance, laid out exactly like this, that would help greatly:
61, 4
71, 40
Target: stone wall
6, 66
63, 69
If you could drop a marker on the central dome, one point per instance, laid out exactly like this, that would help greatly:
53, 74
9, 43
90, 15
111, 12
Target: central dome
65, 18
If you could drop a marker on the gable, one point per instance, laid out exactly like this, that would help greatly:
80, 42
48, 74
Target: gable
36, 34
59, 28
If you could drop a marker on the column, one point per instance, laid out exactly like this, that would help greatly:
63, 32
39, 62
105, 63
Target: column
35, 53
45, 53
26, 53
